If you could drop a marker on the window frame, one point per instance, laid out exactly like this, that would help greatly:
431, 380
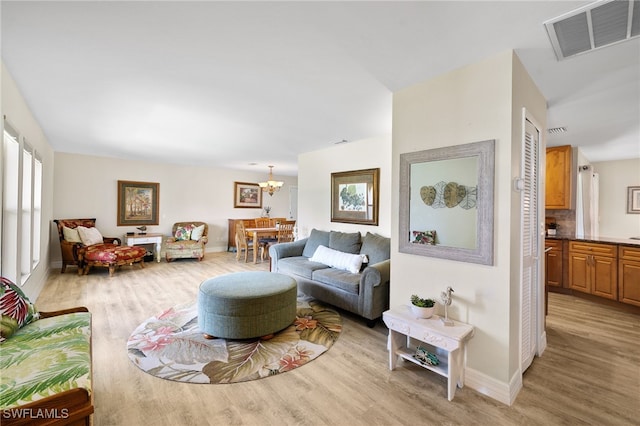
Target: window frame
22, 216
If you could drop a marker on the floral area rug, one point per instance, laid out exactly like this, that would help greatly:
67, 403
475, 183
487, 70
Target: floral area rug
172, 347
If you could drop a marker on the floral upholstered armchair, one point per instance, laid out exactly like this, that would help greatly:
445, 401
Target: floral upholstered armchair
187, 241
72, 241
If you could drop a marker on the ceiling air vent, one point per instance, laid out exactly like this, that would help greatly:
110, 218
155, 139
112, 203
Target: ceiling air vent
556, 130
594, 26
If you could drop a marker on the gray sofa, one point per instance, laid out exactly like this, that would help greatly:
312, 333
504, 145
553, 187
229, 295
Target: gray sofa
365, 292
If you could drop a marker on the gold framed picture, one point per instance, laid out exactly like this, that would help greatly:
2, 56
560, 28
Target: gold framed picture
247, 195
633, 199
354, 196
138, 203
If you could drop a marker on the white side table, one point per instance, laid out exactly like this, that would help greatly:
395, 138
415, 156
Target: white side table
446, 342
132, 240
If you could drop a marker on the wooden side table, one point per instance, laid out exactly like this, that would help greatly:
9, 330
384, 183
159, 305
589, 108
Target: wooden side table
446, 342
132, 240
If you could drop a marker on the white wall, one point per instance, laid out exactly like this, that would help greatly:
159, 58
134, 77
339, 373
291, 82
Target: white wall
478, 102
21, 119
86, 186
314, 181
615, 177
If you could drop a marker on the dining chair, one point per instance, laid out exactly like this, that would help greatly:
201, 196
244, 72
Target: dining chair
285, 235
263, 222
273, 221
243, 242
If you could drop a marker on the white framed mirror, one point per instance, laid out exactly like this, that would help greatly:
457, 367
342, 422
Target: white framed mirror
446, 202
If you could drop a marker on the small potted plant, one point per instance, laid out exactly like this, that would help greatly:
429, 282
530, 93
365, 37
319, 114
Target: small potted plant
422, 308
551, 228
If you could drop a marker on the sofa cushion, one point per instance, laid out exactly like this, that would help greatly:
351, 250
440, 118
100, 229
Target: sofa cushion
299, 265
338, 278
62, 344
90, 236
338, 259
16, 309
315, 239
71, 235
376, 247
345, 242
183, 233
197, 232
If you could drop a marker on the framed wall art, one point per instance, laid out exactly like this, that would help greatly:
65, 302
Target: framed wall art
247, 195
633, 199
354, 196
138, 203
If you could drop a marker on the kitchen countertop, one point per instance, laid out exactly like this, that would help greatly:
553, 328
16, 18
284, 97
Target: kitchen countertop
620, 241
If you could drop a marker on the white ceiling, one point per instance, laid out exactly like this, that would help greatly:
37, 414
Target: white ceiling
225, 84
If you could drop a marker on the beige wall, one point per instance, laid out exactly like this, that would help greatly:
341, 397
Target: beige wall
86, 186
615, 177
21, 119
478, 102
314, 180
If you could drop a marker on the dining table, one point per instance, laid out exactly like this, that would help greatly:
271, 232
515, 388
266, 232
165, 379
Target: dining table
256, 234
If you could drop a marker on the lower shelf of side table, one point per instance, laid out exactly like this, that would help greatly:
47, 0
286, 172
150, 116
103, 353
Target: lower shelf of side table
442, 368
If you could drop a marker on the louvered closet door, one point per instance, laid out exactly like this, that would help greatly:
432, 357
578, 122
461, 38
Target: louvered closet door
530, 249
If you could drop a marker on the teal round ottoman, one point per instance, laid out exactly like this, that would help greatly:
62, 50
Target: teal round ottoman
245, 305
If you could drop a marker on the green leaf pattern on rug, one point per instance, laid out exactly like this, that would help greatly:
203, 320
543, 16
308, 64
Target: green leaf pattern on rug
171, 346
250, 360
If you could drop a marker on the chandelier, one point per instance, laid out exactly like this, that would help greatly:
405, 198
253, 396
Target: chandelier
271, 185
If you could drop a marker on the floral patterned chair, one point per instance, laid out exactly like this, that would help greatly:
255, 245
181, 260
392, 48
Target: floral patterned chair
71, 243
187, 241
82, 244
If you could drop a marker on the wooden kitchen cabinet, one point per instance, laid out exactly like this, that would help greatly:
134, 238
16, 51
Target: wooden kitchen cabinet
593, 269
558, 174
553, 266
629, 275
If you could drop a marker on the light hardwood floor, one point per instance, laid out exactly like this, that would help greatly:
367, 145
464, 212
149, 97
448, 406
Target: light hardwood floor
589, 374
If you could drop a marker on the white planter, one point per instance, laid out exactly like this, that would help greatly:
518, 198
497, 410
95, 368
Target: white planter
422, 312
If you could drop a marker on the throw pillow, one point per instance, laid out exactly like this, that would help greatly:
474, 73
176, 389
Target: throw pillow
426, 237
71, 234
316, 239
377, 247
183, 233
90, 236
345, 242
16, 309
337, 259
197, 232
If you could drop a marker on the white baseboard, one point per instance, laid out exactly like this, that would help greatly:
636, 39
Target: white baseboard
543, 343
500, 391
